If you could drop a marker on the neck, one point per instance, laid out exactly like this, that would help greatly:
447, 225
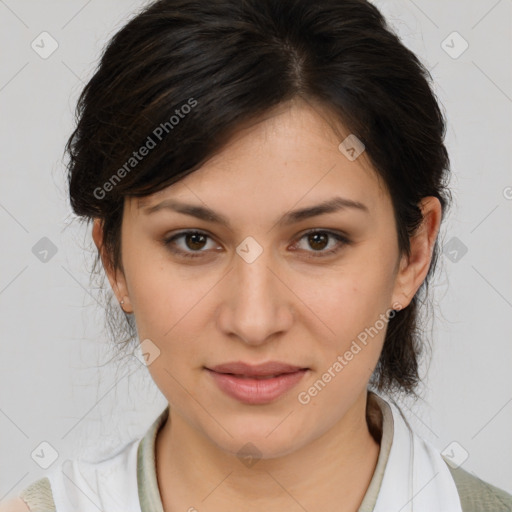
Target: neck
331, 473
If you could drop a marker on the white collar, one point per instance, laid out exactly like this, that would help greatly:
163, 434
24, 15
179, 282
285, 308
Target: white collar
416, 478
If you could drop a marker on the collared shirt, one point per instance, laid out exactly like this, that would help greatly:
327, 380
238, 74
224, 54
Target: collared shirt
475, 494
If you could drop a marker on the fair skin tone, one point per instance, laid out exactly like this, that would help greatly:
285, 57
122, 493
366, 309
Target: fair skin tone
294, 303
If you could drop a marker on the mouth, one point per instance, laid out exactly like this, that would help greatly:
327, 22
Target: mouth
256, 384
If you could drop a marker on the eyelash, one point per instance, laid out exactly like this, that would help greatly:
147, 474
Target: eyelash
343, 240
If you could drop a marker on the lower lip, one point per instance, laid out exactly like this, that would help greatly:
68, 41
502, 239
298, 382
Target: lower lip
256, 391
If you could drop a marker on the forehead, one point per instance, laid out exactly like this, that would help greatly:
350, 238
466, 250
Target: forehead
288, 157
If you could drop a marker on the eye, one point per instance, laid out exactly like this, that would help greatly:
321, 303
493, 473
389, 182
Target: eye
319, 240
193, 240
195, 243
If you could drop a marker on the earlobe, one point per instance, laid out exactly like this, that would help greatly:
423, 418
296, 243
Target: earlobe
115, 277
414, 268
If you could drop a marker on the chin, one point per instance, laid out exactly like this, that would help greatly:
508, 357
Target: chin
260, 439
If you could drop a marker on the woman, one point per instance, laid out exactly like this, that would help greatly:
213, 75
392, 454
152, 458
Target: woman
266, 181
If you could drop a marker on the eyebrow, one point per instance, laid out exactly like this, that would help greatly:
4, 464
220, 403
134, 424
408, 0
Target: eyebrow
204, 213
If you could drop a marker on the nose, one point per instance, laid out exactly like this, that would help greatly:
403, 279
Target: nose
257, 304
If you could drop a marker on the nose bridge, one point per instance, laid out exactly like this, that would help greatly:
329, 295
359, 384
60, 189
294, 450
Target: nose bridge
256, 307
251, 266
254, 278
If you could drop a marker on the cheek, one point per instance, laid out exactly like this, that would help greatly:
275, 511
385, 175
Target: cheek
168, 309
172, 308
162, 297
354, 298
355, 308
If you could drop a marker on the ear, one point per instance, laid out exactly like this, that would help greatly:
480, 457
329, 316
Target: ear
115, 276
414, 269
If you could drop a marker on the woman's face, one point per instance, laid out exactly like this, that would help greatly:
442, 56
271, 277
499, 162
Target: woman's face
260, 287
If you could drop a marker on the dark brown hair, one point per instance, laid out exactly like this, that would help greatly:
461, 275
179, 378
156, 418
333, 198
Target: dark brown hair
187, 73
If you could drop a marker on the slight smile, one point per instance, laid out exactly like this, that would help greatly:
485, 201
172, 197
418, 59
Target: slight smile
256, 384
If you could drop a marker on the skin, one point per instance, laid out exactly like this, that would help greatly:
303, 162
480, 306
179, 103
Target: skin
287, 305
14, 505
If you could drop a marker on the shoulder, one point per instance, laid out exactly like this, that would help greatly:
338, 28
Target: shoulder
100, 481
477, 495
36, 497
14, 505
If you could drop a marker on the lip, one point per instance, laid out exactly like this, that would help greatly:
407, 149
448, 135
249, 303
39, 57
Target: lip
256, 384
255, 370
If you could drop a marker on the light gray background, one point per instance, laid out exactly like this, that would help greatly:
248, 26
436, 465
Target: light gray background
52, 387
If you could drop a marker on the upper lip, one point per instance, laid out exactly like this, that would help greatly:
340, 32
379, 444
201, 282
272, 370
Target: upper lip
258, 370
